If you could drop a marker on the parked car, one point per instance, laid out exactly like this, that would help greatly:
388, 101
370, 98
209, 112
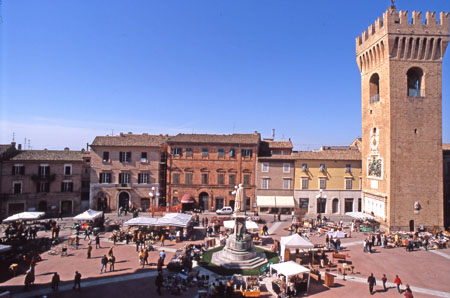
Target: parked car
225, 211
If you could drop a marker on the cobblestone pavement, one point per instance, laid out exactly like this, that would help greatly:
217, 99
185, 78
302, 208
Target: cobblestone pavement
426, 272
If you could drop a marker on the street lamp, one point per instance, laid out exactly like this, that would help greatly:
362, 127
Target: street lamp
153, 194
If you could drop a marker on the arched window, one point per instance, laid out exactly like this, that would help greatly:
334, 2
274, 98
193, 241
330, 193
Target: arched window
335, 206
415, 82
374, 88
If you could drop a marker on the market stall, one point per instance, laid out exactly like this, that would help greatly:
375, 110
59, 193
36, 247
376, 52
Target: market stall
25, 216
176, 224
141, 221
294, 241
88, 215
294, 274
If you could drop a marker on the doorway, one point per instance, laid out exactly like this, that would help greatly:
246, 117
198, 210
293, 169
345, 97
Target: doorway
203, 200
411, 225
66, 207
145, 204
219, 203
335, 206
124, 200
321, 204
42, 206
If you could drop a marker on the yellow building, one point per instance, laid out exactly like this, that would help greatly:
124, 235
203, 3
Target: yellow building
328, 181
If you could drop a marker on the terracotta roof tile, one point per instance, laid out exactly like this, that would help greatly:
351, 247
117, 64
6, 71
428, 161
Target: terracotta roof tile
280, 144
251, 139
48, 155
136, 140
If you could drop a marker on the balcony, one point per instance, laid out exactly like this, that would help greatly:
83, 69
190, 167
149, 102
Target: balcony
416, 92
375, 98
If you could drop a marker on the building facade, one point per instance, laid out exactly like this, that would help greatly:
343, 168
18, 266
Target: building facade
42, 180
203, 169
125, 171
328, 181
446, 165
401, 93
275, 173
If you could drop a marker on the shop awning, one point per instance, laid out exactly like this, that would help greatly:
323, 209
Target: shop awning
265, 201
187, 199
25, 216
285, 201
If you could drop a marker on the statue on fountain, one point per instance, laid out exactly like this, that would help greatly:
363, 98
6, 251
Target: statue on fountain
240, 194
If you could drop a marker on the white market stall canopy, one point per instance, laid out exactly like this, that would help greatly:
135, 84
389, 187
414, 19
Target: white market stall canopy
25, 216
174, 220
360, 215
88, 215
289, 269
5, 248
275, 201
337, 234
249, 224
141, 221
294, 241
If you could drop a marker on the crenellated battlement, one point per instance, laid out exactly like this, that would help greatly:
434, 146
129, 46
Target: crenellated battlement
395, 36
394, 21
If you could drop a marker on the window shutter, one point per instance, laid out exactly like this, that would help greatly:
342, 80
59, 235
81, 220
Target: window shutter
71, 186
39, 171
38, 187
120, 156
120, 178
139, 178
13, 170
101, 177
129, 157
47, 187
22, 170
48, 171
62, 186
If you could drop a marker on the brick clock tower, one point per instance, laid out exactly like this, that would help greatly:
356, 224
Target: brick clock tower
401, 84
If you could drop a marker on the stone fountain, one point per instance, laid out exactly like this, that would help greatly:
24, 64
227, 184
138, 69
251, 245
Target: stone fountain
239, 251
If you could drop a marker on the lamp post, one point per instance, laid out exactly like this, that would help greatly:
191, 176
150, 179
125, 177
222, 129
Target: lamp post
153, 194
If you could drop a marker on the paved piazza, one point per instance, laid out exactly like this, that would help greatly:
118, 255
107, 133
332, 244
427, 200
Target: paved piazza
426, 271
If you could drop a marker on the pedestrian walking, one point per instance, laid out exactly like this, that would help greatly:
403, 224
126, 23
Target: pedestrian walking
372, 282
159, 282
384, 280
141, 257
162, 240
408, 292
77, 241
398, 282
145, 256
160, 264
104, 262
55, 281
88, 251
112, 261
77, 281
97, 241
162, 255
110, 252
60, 215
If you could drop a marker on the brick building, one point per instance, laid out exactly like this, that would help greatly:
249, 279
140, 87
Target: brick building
125, 169
328, 181
203, 169
44, 180
275, 177
401, 93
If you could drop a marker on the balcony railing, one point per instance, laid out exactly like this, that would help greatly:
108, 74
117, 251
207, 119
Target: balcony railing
375, 98
415, 92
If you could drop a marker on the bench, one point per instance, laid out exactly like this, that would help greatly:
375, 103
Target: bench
339, 256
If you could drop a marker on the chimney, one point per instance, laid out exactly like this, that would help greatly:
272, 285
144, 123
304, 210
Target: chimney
273, 134
19, 147
66, 149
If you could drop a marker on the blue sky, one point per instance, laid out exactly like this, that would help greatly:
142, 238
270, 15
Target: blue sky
72, 69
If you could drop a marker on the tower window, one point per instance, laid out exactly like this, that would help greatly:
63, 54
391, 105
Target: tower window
415, 76
374, 88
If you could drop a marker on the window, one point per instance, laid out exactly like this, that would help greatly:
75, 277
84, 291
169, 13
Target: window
305, 183
220, 152
322, 167
44, 171
348, 183
304, 167
204, 178
265, 167
188, 178
143, 178
105, 178
125, 156
124, 178
87, 160
304, 203
220, 179
67, 170
188, 152
348, 168
66, 186
144, 157
265, 183
232, 179
176, 151
335, 206
18, 170
246, 152
43, 187
276, 152
246, 179
17, 188
374, 88
286, 167
232, 152
204, 152
415, 75
286, 183
176, 178
322, 183
105, 156
348, 205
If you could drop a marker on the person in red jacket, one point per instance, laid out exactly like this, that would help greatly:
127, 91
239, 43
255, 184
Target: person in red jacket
398, 282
